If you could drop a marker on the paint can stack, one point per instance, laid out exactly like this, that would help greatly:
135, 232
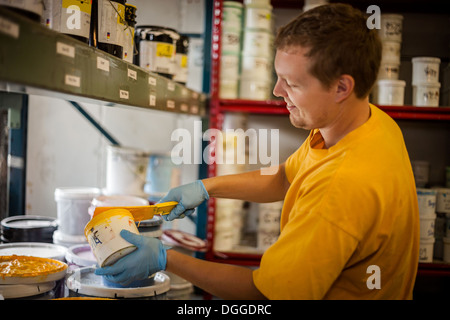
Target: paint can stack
425, 81
389, 90
427, 206
257, 51
443, 211
268, 224
229, 222
230, 49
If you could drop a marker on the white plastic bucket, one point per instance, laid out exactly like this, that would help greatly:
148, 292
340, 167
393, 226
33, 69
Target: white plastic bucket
72, 205
232, 14
162, 174
231, 41
426, 94
391, 51
421, 170
446, 255
229, 66
425, 70
125, 171
389, 70
443, 200
258, 17
253, 67
427, 226
255, 89
103, 234
257, 43
391, 27
427, 201
391, 92
426, 250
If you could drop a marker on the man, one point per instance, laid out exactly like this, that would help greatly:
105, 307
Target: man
350, 223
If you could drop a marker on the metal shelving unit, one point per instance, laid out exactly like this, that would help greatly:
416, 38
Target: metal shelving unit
37, 60
218, 107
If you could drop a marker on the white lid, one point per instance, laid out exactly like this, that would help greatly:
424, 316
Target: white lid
76, 193
13, 291
35, 249
81, 255
426, 59
127, 150
184, 240
84, 281
394, 83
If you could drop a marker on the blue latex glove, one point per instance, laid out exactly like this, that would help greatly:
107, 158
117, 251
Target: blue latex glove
188, 196
149, 257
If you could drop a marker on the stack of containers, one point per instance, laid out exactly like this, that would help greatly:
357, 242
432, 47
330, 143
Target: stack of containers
427, 207
230, 215
268, 224
389, 90
257, 51
230, 49
425, 81
443, 208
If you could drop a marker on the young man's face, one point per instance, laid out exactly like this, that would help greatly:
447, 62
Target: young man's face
311, 105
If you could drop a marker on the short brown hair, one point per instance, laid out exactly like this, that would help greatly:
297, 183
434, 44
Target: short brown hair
339, 42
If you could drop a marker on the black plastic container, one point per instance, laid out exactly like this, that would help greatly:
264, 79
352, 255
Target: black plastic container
27, 228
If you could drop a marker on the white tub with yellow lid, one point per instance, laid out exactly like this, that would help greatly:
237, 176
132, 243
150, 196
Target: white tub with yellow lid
103, 235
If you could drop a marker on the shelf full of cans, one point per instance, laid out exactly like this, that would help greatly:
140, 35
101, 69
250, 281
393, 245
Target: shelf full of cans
92, 28
246, 69
389, 89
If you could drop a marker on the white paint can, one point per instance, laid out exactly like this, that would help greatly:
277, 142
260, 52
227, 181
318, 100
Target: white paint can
389, 70
426, 250
425, 70
426, 94
255, 89
72, 205
126, 169
258, 17
391, 51
427, 201
232, 14
231, 41
229, 66
391, 92
427, 226
443, 200
103, 235
391, 27
257, 43
253, 67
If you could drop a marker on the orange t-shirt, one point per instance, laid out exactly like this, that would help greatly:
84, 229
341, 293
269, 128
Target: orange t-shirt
350, 219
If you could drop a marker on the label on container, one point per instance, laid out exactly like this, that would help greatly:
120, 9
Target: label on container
68, 16
65, 49
157, 56
103, 64
111, 17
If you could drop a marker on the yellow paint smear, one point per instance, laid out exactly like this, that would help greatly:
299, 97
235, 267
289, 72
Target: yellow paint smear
142, 212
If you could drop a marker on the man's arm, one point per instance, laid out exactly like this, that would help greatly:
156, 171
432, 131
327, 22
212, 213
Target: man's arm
219, 279
250, 186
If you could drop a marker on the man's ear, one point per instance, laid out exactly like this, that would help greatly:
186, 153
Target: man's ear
345, 86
